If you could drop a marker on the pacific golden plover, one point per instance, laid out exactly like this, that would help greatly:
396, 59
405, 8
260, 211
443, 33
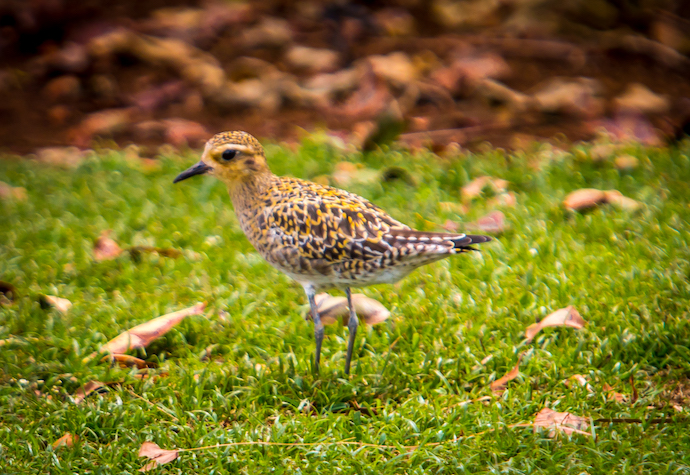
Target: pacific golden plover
320, 236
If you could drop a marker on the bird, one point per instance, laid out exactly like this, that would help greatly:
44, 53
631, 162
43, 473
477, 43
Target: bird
322, 237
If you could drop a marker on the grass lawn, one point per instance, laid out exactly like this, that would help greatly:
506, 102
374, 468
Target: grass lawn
419, 399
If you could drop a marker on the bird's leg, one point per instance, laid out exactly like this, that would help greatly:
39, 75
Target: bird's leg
318, 326
352, 326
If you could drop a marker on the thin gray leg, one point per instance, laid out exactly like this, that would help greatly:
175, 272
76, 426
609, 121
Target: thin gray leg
352, 326
318, 326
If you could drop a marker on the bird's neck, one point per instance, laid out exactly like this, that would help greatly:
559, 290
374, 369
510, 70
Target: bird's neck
245, 193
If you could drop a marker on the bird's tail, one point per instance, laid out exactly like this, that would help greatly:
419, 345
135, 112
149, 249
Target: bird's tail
453, 242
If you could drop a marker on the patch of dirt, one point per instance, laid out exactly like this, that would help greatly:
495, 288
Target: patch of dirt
432, 73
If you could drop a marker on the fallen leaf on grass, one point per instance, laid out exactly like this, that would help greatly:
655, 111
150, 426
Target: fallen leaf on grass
62, 305
498, 386
611, 394
67, 157
580, 380
87, 389
478, 185
8, 293
583, 199
15, 192
624, 203
588, 198
106, 248
156, 454
126, 360
505, 200
626, 162
562, 317
66, 440
560, 421
494, 222
141, 335
331, 308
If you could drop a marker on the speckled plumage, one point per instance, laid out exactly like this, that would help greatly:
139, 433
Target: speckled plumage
331, 238
321, 236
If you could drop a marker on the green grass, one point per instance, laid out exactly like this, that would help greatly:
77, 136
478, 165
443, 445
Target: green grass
627, 273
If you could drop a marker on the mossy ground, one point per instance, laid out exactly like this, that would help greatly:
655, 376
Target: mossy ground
626, 273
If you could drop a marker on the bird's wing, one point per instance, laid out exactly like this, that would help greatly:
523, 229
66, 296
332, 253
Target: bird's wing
327, 223
331, 225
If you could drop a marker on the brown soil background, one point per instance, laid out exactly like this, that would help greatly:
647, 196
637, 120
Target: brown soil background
464, 72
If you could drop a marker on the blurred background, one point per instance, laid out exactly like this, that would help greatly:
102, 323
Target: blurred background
437, 73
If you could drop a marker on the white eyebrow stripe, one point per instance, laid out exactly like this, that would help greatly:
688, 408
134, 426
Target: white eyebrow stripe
238, 147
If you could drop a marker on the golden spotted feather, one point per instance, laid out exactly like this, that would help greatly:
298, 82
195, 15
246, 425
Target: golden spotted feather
331, 238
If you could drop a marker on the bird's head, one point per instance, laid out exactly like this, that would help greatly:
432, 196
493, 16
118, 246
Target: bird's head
232, 157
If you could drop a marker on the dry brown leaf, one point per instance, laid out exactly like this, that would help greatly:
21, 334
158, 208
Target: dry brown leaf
106, 248
505, 200
618, 397
626, 162
87, 389
560, 421
396, 68
141, 335
494, 222
15, 192
126, 360
498, 386
624, 203
60, 304
562, 317
579, 97
496, 92
637, 98
602, 152
452, 207
478, 185
66, 440
580, 380
156, 454
331, 308
587, 198
584, 199
70, 157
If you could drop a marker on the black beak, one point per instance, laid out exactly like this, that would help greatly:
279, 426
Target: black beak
198, 169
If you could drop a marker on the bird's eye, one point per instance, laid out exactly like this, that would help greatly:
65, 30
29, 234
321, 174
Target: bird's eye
229, 155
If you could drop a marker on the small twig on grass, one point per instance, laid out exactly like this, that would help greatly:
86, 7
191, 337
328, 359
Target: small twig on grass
634, 390
409, 448
160, 456
627, 420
